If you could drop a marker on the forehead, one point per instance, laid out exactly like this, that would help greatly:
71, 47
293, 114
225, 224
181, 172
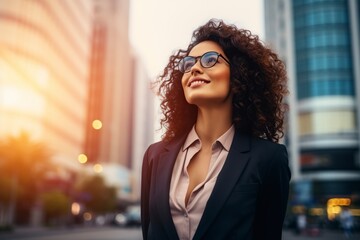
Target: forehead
204, 47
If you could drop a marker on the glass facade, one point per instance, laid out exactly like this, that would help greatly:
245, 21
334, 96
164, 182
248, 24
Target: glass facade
329, 159
322, 48
322, 135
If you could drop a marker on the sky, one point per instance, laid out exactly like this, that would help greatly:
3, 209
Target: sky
160, 27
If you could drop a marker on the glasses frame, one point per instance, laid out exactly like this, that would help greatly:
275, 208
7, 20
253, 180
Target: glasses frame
181, 63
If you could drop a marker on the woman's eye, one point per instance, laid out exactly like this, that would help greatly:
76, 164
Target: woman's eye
210, 60
188, 65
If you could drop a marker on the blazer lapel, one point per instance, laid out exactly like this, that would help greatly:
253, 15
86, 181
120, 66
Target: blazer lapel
233, 167
163, 178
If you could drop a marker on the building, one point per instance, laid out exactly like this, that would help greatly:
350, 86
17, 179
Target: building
119, 122
143, 121
44, 72
69, 77
44, 65
111, 89
319, 42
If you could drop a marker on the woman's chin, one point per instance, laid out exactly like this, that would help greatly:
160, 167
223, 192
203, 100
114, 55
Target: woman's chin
206, 101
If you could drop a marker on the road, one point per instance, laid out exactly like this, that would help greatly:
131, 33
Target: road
84, 233
115, 233
323, 235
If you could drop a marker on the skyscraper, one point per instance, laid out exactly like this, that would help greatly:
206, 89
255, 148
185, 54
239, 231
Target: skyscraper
111, 85
319, 42
44, 52
68, 77
120, 100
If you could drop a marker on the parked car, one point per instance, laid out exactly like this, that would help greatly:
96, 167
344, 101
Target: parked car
133, 216
130, 218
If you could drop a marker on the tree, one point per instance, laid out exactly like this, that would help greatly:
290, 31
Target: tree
56, 206
99, 198
24, 163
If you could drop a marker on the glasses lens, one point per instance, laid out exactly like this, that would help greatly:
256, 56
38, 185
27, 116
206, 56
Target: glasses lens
209, 59
186, 64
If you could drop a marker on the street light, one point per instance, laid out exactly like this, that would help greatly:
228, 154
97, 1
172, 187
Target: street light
98, 168
97, 124
82, 158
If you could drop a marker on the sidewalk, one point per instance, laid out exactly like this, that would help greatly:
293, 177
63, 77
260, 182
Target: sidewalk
324, 234
25, 232
21, 232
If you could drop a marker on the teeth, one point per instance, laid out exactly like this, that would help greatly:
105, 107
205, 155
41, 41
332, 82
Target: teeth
197, 82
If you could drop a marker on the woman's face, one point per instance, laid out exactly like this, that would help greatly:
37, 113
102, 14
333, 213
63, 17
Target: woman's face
206, 87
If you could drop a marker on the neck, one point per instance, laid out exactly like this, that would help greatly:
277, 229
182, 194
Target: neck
212, 123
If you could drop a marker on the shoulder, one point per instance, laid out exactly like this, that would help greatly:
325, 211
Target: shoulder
155, 149
265, 148
270, 155
163, 146
151, 154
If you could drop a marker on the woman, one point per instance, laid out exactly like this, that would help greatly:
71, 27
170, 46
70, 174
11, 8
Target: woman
218, 172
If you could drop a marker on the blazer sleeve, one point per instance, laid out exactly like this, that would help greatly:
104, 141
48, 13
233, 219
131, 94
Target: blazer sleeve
145, 193
273, 198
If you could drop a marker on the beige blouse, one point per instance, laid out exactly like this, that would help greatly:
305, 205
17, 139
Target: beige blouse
187, 217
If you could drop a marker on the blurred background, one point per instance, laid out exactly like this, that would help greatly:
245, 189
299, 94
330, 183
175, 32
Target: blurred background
77, 111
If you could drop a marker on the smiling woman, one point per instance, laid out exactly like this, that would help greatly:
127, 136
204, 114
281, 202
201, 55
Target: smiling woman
219, 163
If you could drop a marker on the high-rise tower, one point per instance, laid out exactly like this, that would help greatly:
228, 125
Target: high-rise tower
319, 42
44, 52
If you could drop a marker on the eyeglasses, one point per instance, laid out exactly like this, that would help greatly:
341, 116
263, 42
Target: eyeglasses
207, 60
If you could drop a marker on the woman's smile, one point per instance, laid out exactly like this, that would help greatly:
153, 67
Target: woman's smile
196, 82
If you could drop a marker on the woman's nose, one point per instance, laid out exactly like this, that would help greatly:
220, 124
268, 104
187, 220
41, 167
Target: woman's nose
196, 68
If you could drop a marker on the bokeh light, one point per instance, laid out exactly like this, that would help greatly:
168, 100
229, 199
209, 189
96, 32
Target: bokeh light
97, 124
82, 158
98, 168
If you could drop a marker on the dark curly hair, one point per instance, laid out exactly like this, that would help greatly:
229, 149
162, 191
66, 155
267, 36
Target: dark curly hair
257, 79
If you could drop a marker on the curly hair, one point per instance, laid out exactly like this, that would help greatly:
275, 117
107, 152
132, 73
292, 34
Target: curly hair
257, 81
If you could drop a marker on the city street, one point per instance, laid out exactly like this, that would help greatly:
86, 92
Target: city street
85, 233
323, 235
115, 233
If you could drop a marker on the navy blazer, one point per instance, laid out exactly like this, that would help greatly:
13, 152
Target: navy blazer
248, 201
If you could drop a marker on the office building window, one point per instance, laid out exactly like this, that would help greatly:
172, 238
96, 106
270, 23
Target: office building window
323, 48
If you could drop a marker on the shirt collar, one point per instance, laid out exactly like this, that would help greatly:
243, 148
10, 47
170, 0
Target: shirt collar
191, 138
227, 137
225, 140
